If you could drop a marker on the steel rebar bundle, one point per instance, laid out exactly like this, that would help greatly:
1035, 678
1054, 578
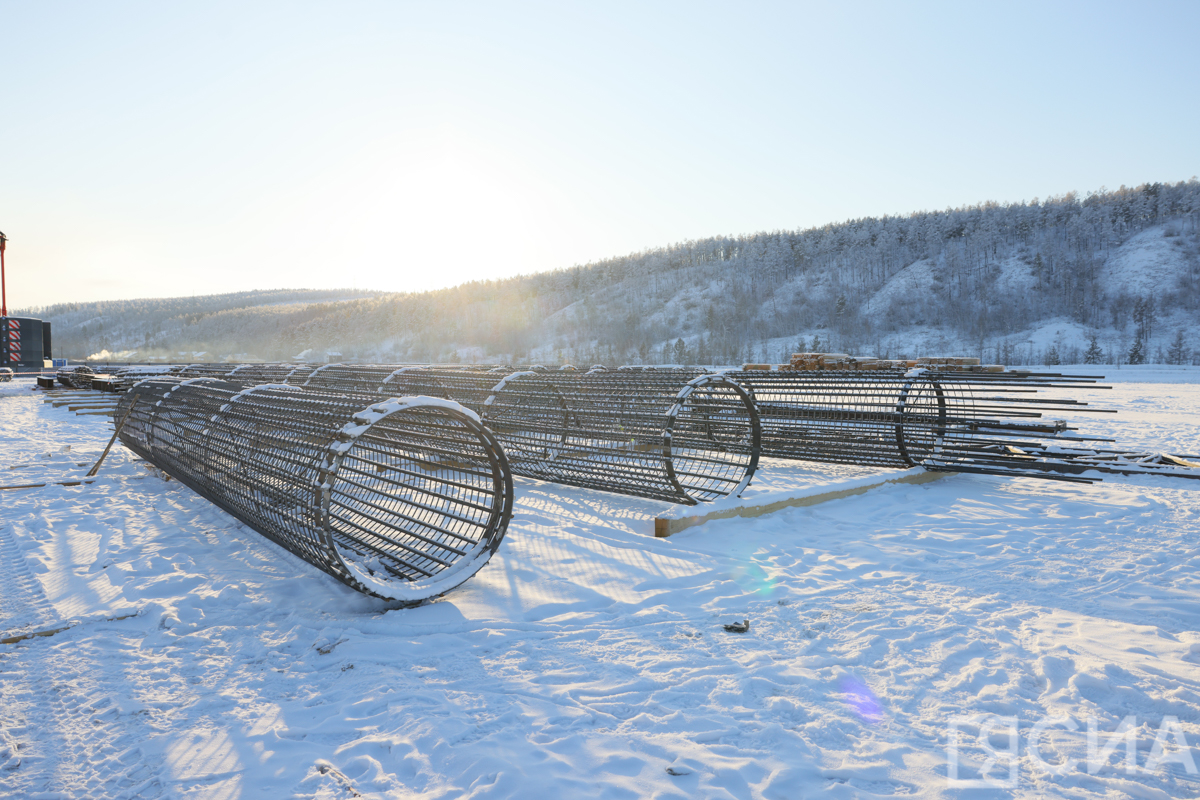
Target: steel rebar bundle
125, 377
79, 377
403, 499
204, 370
886, 418
472, 384
270, 373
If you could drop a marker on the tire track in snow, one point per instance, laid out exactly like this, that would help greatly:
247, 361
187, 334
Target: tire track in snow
24, 607
23, 603
70, 700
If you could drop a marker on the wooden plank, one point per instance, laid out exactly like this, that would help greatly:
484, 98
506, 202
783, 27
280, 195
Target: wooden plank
51, 631
664, 527
41, 485
116, 433
81, 401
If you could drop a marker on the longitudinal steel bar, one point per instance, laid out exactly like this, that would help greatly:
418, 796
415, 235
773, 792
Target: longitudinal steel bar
401, 498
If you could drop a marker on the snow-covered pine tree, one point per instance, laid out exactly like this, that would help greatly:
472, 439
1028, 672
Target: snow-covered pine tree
1094, 354
1137, 351
1178, 353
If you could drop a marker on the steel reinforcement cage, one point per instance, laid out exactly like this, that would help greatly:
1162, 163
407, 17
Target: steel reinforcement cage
949, 421
944, 420
681, 441
993, 423
684, 441
402, 499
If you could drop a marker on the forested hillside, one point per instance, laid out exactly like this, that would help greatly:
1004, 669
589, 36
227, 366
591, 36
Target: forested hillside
1116, 270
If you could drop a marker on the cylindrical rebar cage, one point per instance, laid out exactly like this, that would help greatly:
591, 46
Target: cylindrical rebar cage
666, 439
950, 421
403, 498
943, 419
875, 419
655, 436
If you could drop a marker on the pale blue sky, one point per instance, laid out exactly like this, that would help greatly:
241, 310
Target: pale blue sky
156, 149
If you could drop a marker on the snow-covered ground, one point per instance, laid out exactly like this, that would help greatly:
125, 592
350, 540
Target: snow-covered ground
589, 659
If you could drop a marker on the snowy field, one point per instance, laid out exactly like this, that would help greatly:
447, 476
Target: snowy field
589, 659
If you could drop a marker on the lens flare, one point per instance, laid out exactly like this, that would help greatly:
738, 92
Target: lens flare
753, 579
861, 699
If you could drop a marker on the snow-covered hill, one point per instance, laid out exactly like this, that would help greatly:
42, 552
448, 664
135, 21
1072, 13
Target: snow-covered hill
1012, 281
1150, 264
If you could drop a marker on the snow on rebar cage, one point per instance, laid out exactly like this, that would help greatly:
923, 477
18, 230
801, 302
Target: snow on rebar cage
402, 499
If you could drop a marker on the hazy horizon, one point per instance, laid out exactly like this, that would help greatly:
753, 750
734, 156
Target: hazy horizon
153, 151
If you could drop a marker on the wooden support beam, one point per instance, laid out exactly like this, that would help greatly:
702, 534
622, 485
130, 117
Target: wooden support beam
41, 485
51, 631
664, 527
116, 433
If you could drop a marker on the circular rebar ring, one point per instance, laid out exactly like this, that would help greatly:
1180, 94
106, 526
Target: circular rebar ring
920, 419
712, 436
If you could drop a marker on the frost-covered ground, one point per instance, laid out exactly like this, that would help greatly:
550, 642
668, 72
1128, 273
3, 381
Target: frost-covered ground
589, 659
